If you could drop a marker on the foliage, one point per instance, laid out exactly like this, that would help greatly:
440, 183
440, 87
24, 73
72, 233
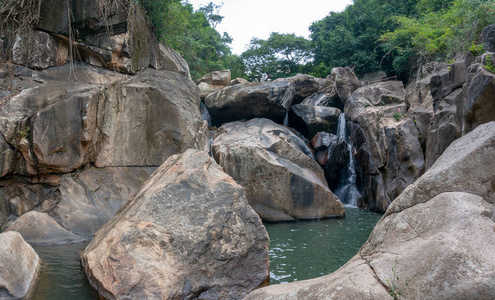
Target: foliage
476, 49
397, 116
351, 37
489, 64
442, 30
281, 55
193, 35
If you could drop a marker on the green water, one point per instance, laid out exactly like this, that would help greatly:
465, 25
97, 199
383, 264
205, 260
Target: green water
306, 250
298, 251
61, 275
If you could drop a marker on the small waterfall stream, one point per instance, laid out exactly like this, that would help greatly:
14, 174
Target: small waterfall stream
347, 190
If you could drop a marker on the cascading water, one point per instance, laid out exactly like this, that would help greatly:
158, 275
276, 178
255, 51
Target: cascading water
347, 190
205, 115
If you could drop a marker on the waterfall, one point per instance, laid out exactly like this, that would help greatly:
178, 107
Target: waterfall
205, 115
286, 119
347, 190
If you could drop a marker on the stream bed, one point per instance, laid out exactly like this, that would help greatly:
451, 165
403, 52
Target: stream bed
298, 251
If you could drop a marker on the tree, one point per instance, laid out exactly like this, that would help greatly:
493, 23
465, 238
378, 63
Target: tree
281, 55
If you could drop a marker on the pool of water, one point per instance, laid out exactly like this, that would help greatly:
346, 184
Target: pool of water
305, 250
61, 275
298, 251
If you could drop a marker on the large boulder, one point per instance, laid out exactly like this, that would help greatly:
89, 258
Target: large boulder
218, 78
270, 100
322, 99
346, 83
304, 86
433, 243
189, 233
40, 228
282, 180
58, 125
19, 266
309, 119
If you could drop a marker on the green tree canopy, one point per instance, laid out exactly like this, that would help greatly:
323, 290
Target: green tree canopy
281, 55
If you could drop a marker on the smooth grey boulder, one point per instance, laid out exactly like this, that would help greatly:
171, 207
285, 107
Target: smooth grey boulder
322, 99
205, 89
282, 180
189, 233
270, 100
41, 229
19, 266
373, 77
309, 119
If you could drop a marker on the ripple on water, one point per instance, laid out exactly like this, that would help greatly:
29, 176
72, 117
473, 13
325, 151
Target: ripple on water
61, 275
305, 250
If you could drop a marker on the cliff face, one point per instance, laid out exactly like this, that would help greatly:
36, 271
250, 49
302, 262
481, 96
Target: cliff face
77, 138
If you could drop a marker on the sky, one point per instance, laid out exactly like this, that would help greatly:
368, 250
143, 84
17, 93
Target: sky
245, 19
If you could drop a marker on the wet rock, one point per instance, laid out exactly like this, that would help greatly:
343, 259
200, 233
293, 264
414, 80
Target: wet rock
189, 233
40, 228
282, 182
19, 266
270, 100
304, 86
309, 119
422, 119
332, 154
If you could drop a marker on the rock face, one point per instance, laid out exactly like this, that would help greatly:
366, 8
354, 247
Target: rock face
270, 100
111, 34
277, 170
55, 130
19, 265
332, 154
413, 251
309, 119
189, 233
59, 126
218, 78
345, 83
386, 143
488, 38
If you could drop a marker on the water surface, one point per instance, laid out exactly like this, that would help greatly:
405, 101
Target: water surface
61, 275
305, 250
